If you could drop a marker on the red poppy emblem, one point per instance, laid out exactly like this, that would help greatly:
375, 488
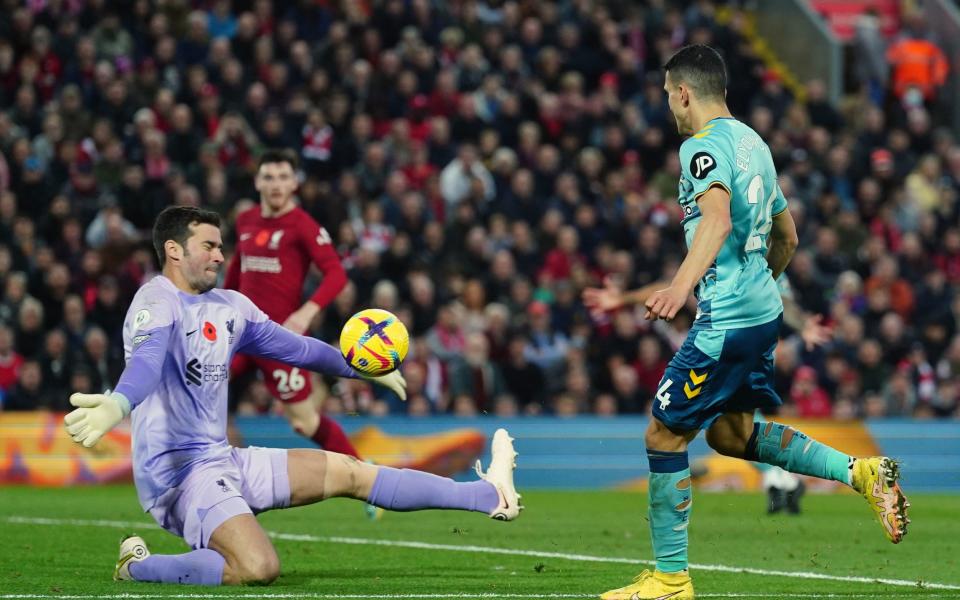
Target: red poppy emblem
209, 331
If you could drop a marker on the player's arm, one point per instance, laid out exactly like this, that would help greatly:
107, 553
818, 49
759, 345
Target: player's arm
812, 329
611, 297
320, 248
712, 231
783, 242
266, 339
96, 414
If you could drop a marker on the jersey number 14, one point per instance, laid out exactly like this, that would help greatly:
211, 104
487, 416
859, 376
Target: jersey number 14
764, 222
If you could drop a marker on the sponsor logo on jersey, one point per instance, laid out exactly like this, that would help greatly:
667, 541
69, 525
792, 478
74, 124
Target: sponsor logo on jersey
260, 264
193, 372
701, 164
198, 373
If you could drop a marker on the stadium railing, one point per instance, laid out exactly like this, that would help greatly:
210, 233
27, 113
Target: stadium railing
802, 41
943, 19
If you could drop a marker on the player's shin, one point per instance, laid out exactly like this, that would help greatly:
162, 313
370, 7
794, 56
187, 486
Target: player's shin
785, 447
200, 567
406, 489
671, 497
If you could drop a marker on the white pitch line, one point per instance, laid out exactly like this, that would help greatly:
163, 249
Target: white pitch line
291, 596
296, 537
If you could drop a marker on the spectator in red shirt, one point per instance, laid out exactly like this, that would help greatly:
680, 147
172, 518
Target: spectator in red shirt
808, 396
10, 361
561, 261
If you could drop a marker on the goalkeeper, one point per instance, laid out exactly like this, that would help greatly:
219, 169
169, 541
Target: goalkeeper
179, 337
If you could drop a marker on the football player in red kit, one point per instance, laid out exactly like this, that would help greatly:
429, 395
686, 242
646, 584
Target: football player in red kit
276, 242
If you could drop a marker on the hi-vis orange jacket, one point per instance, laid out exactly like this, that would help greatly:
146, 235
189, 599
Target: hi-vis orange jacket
917, 63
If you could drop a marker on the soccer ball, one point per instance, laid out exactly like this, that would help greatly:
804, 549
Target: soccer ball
374, 342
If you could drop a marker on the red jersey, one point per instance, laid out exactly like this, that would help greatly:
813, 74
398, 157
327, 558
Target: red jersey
273, 256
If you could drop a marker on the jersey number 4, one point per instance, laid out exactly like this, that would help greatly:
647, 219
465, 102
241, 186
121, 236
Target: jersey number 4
764, 221
663, 395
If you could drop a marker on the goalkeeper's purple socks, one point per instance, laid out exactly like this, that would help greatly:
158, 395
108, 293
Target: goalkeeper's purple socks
200, 567
405, 489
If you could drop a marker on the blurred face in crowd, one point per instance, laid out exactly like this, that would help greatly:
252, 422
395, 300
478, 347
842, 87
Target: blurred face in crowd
6, 340
276, 183
30, 376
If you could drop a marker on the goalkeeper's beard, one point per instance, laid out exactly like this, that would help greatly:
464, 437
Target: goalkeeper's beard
204, 285
206, 280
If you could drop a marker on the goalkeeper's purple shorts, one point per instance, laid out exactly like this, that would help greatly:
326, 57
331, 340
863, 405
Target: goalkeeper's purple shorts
247, 481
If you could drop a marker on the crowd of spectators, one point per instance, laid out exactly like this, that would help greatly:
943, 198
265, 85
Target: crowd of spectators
478, 164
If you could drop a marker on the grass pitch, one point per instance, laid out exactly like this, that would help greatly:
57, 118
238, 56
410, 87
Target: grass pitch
63, 542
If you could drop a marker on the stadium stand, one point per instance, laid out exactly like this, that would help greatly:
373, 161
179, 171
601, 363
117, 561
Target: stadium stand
478, 163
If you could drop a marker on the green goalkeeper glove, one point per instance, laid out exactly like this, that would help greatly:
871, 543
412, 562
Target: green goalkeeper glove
95, 415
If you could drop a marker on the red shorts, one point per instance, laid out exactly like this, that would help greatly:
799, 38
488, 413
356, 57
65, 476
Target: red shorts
285, 383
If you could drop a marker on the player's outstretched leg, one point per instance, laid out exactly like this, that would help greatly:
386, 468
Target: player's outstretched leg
494, 494
200, 567
315, 476
876, 478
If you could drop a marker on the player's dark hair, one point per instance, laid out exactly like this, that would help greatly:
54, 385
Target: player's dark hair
174, 222
700, 67
278, 155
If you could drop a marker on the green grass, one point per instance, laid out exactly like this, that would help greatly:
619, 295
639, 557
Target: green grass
835, 536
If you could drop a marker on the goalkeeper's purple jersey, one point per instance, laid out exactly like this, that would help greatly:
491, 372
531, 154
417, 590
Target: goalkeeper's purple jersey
178, 349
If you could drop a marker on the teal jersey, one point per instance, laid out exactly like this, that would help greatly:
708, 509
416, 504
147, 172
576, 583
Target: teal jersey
738, 290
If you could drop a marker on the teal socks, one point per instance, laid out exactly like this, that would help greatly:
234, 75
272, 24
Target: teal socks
785, 447
671, 496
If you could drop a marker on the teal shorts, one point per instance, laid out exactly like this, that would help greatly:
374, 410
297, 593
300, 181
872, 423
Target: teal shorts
718, 371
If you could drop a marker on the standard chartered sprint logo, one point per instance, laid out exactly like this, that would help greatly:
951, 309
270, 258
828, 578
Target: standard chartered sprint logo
198, 373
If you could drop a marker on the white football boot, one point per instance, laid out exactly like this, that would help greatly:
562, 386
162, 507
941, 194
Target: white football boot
132, 549
503, 460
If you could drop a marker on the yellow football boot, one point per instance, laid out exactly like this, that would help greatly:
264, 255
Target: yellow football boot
876, 478
654, 585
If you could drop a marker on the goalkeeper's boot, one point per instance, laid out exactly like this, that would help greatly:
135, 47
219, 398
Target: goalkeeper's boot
877, 480
132, 549
654, 585
503, 460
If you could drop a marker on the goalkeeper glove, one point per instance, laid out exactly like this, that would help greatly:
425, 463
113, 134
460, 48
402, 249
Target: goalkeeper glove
393, 381
95, 415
